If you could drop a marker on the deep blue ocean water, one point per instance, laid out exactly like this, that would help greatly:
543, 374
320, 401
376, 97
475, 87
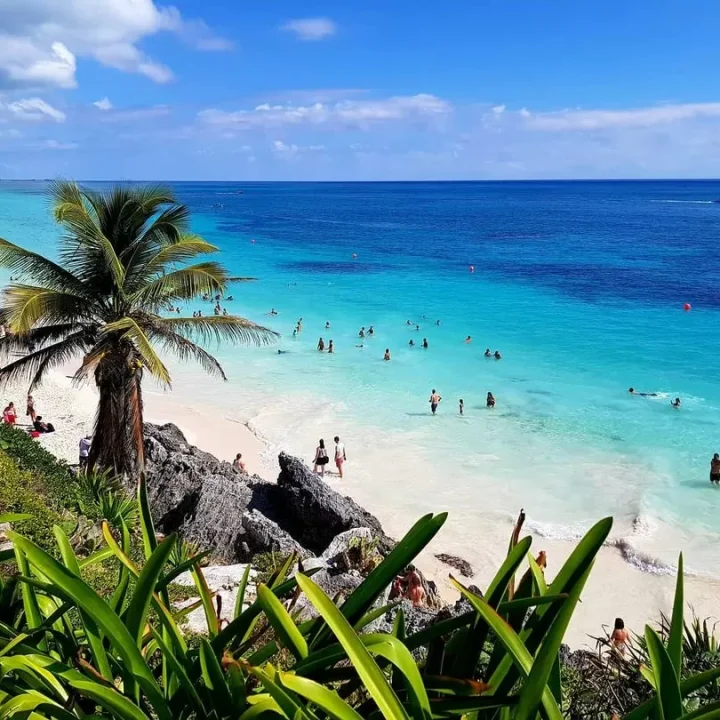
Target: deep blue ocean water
580, 285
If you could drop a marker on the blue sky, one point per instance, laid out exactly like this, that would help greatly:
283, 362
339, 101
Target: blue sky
496, 89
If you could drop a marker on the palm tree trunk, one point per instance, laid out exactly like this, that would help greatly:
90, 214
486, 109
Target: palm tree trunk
118, 436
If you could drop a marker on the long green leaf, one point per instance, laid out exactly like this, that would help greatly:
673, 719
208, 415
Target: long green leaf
31, 702
146, 521
375, 682
282, 623
517, 652
145, 587
240, 597
290, 705
96, 608
214, 679
206, 596
362, 598
687, 686
539, 678
109, 698
675, 639
328, 700
669, 704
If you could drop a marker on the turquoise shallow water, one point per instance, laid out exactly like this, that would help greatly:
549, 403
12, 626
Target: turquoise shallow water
581, 287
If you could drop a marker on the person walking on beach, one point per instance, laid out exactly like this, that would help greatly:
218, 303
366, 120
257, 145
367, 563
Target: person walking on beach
321, 345
321, 457
490, 402
238, 463
715, 469
620, 637
461, 407
387, 354
9, 414
434, 401
340, 455
30, 408
84, 451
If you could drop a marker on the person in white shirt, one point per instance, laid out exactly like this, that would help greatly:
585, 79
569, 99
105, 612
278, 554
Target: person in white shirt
340, 455
85, 444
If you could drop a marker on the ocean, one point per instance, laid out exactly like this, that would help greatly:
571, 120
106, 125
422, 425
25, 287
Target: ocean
581, 286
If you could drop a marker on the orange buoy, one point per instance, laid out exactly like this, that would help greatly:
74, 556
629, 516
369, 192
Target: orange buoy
687, 307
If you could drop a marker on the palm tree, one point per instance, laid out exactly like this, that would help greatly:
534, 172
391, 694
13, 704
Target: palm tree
123, 260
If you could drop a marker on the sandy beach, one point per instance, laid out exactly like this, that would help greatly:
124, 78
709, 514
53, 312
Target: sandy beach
615, 588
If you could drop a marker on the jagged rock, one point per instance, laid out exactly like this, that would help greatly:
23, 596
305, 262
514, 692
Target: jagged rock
341, 543
313, 513
462, 566
264, 535
202, 498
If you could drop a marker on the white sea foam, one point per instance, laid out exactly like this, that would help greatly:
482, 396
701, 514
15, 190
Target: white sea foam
686, 202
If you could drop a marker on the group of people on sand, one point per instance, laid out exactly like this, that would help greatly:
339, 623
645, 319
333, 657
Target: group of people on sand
322, 458
38, 425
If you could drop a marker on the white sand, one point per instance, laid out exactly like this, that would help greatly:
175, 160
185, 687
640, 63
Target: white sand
615, 586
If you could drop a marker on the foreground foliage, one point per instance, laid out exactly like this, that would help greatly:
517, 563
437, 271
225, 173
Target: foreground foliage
65, 651
123, 260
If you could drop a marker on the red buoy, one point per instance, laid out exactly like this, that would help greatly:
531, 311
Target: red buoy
687, 307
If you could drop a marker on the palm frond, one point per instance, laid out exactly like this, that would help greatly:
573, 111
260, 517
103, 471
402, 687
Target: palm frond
38, 268
183, 349
86, 246
183, 284
163, 260
219, 328
129, 330
21, 343
34, 365
25, 306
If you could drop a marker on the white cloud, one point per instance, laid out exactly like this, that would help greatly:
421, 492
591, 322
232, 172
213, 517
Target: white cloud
103, 104
311, 29
34, 109
53, 145
348, 112
498, 110
636, 117
289, 152
40, 39
132, 114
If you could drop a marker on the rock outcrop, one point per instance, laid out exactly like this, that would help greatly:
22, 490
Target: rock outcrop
209, 503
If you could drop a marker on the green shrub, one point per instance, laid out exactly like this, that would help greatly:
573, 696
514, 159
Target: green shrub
23, 492
58, 483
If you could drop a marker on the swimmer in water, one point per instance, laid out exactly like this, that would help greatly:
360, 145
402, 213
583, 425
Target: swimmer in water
497, 355
461, 407
411, 343
425, 343
327, 325
468, 339
273, 312
386, 356
715, 470
488, 353
437, 323
371, 330
362, 332
676, 403
408, 322
632, 391
321, 345
434, 400
299, 325
490, 402
417, 327
331, 347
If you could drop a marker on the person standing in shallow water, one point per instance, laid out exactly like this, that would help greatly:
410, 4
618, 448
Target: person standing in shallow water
321, 345
490, 400
386, 356
715, 469
321, 457
434, 401
331, 347
461, 407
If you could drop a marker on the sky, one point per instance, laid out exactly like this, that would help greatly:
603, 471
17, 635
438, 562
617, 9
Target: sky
279, 90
